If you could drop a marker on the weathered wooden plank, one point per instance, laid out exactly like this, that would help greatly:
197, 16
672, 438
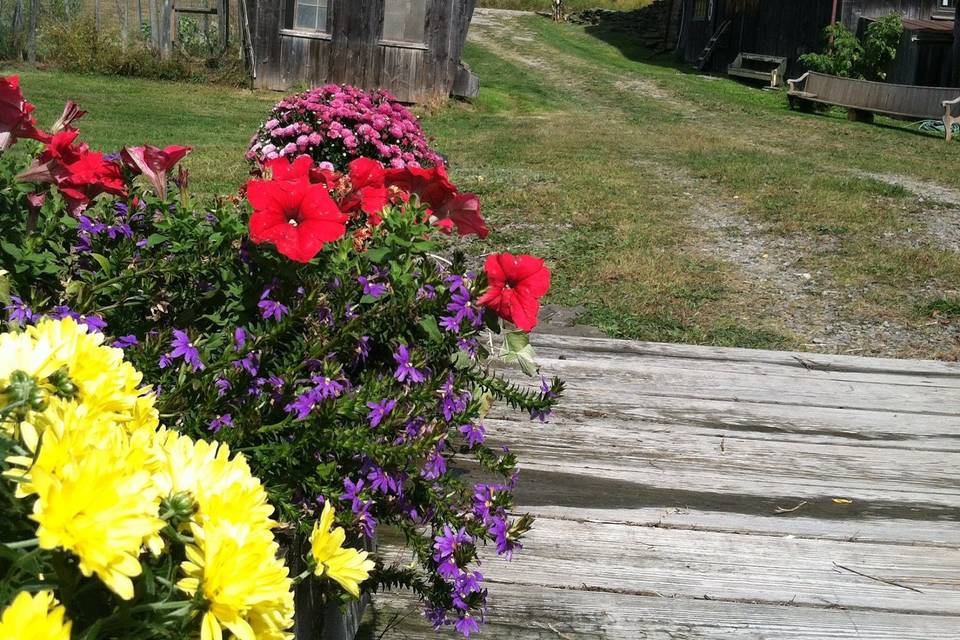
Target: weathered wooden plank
627, 382
733, 568
856, 528
619, 455
877, 428
523, 612
680, 352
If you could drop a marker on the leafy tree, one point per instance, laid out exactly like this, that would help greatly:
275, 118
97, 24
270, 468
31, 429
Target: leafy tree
848, 57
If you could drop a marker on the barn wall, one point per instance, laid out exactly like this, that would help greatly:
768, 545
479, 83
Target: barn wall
354, 54
790, 28
853, 10
785, 28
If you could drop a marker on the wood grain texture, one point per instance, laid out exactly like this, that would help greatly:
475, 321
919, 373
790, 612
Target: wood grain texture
522, 612
353, 52
690, 492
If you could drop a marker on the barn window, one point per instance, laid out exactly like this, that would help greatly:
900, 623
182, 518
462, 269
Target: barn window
701, 9
945, 9
404, 20
311, 15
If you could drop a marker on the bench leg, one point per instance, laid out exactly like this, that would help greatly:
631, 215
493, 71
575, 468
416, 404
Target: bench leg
948, 127
859, 115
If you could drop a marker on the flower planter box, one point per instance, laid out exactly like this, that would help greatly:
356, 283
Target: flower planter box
314, 619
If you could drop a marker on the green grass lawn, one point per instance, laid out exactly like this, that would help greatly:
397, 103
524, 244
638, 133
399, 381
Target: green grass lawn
569, 5
674, 206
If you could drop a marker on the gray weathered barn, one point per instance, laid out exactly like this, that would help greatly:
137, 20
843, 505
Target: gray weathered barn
411, 48
789, 28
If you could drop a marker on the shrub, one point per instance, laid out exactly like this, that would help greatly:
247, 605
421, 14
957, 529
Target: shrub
323, 335
78, 46
847, 57
337, 124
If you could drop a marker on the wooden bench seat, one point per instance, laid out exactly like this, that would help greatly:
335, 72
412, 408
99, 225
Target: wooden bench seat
757, 66
897, 100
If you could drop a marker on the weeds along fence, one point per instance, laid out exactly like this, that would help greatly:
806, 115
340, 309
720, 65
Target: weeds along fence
125, 33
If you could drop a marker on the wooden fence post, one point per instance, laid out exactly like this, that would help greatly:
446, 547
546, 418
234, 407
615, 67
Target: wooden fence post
167, 29
154, 25
18, 29
223, 12
32, 32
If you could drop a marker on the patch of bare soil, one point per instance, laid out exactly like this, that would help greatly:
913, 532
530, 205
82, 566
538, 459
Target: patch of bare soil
775, 285
940, 209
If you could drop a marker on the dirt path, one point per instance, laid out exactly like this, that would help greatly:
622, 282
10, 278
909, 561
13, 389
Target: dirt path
766, 271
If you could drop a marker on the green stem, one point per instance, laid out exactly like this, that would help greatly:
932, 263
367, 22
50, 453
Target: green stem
22, 544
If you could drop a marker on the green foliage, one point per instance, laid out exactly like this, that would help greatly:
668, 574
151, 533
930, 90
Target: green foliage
78, 46
848, 57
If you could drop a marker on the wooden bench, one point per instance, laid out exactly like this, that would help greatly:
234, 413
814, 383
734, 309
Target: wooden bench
864, 96
757, 66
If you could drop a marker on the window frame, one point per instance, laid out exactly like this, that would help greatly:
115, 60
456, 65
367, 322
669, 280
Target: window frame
290, 22
944, 12
406, 44
707, 10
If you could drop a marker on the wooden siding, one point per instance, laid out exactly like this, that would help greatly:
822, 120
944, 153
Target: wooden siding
353, 52
784, 28
789, 28
725, 494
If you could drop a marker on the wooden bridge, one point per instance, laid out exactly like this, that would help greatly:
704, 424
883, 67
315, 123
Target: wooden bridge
695, 492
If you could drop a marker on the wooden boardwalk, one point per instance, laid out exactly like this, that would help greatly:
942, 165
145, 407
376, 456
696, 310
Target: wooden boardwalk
695, 492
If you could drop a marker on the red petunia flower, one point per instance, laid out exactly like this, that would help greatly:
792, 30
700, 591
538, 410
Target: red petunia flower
294, 215
434, 188
368, 189
80, 174
154, 164
516, 284
15, 119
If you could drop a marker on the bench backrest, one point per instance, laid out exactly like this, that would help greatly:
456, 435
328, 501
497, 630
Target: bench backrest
897, 99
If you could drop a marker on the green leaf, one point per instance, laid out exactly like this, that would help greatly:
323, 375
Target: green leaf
517, 348
377, 255
155, 239
429, 325
103, 262
516, 341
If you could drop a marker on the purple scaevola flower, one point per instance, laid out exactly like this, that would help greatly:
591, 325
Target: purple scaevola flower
406, 371
182, 348
350, 312
239, 338
451, 401
437, 616
436, 464
371, 288
447, 544
466, 625
271, 308
352, 491
94, 324
500, 530
473, 433
326, 387
249, 363
304, 404
19, 312
426, 292
379, 411
125, 342
382, 482
223, 385
362, 350
226, 420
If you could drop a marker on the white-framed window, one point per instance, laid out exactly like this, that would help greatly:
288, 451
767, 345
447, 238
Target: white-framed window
311, 15
404, 21
945, 9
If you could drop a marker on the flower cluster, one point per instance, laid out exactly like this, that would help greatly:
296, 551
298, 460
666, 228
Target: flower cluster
335, 124
318, 321
105, 485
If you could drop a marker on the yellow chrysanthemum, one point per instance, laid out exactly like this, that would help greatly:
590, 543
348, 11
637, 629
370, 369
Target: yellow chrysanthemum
104, 381
222, 488
236, 571
95, 497
348, 567
21, 352
36, 617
